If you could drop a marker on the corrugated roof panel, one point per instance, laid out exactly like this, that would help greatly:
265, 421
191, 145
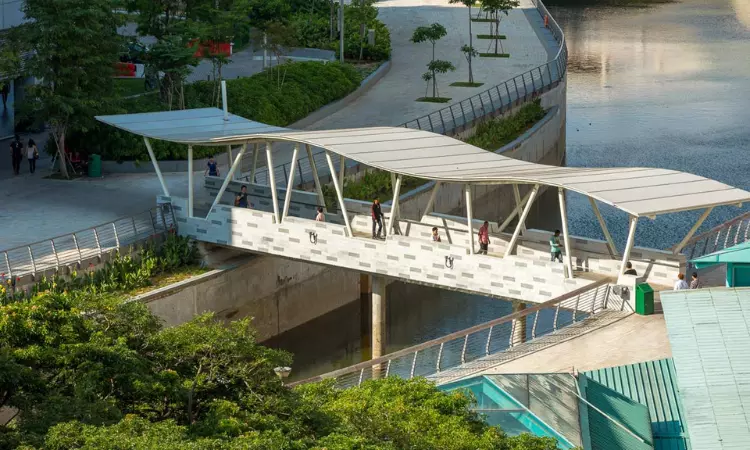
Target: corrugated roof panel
710, 338
654, 385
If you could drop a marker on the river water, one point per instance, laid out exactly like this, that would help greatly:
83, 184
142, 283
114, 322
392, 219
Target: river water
660, 86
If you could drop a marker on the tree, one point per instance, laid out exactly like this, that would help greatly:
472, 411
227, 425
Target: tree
427, 77
469, 53
73, 61
363, 12
470, 56
494, 8
432, 33
439, 67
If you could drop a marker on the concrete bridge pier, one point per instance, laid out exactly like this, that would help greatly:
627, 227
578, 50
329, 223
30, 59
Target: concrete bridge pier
519, 325
379, 327
365, 298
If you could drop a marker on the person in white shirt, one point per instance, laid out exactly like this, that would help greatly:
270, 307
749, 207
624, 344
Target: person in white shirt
320, 217
681, 284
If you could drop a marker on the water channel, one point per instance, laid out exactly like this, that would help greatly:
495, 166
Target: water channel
661, 86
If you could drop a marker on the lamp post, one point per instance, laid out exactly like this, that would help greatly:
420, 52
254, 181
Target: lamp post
282, 373
341, 31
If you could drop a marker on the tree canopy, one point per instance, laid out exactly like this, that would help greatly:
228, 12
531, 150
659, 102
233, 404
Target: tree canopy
94, 372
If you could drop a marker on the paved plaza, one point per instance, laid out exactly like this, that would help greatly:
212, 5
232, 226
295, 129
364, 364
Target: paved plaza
33, 208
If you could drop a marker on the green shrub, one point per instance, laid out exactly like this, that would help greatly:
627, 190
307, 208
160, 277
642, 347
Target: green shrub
305, 87
493, 134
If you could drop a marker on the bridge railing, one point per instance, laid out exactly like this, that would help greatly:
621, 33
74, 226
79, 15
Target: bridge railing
67, 249
482, 340
730, 233
461, 115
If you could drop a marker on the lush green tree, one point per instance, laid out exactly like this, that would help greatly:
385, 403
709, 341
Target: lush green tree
494, 8
74, 63
432, 33
469, 55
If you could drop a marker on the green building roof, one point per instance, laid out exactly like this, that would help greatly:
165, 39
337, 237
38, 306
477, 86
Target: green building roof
739, 253
654, 385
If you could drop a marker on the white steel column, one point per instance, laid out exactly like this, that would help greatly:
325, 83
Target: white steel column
339, 193
228, 178
230, 160
515, 212
692, 231
394, 204
469, 218
272, 181
522, 220
517, 195
628, 244
379, 327
290, 184
342, 170
566, 235
156, 166
316, 180
431, 202
255, 163
610, 242
190, 181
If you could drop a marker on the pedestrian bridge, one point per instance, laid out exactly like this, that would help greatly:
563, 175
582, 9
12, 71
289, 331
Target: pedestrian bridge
517, 266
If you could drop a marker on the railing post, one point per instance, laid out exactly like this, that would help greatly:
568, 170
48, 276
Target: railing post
518, 94
7, 263
596, 298
726, 238
361, 375
78, 248
554, 322
533, 327
453, 116
98, 244
487, 345
575, 308
31, 256
507, 89
484, 110
164, 219
737, 234
388, 368
463, 113
299, 166
549, 72
117, 238
463, 350
533, 84
439, 357
489, 94
440, 113
429, 119
473, 111
54, 252
606, 297
413, 365
512, 332
153, 222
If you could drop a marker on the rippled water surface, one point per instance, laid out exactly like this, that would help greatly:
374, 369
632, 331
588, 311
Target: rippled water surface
664, 86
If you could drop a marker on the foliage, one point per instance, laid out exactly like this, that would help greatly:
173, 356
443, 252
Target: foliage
469, 53
373, 184
439, 67
73, 61
307, 87
493, 134
432, 33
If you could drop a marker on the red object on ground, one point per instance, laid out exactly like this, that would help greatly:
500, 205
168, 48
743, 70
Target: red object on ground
546, 21
210, 48
125, 69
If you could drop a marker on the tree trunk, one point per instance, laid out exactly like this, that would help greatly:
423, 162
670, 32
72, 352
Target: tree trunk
362, 27
497, 31
61, 154
471, 45
331, 20
434, 87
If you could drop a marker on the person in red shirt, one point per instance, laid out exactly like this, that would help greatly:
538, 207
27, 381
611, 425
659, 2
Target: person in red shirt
484, 238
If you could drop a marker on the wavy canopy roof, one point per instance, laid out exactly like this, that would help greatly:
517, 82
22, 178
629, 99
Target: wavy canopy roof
417, 153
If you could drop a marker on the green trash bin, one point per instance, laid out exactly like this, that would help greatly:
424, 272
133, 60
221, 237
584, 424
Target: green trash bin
644, 299
95, 166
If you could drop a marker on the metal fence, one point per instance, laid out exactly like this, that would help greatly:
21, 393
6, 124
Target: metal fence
73, 248
728, 234
482, 340
459, 116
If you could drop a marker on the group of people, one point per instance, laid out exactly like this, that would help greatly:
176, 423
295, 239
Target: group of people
681, 284
241, 200
17, 152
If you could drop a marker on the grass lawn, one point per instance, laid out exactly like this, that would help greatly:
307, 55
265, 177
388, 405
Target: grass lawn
482, 20
495, 55
491, 36
165, 279
128, 87
434, 99
466, 84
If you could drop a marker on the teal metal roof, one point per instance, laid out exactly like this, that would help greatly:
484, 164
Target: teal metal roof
709, 330
654, 385
739, 253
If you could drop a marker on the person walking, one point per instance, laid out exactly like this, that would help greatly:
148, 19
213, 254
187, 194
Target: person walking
681, 284
241, 199
212, 168
484, 238
554, 247
377, 218
16, 149
32, 154
320, 217
695, 283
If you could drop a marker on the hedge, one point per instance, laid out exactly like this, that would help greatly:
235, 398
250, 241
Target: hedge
493, 134
307, 86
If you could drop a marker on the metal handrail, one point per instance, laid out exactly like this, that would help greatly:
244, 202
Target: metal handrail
719, 237
517, 90
72, 248
570, 302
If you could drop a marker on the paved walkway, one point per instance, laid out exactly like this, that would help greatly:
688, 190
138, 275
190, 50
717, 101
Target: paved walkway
32, 208
391, 101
